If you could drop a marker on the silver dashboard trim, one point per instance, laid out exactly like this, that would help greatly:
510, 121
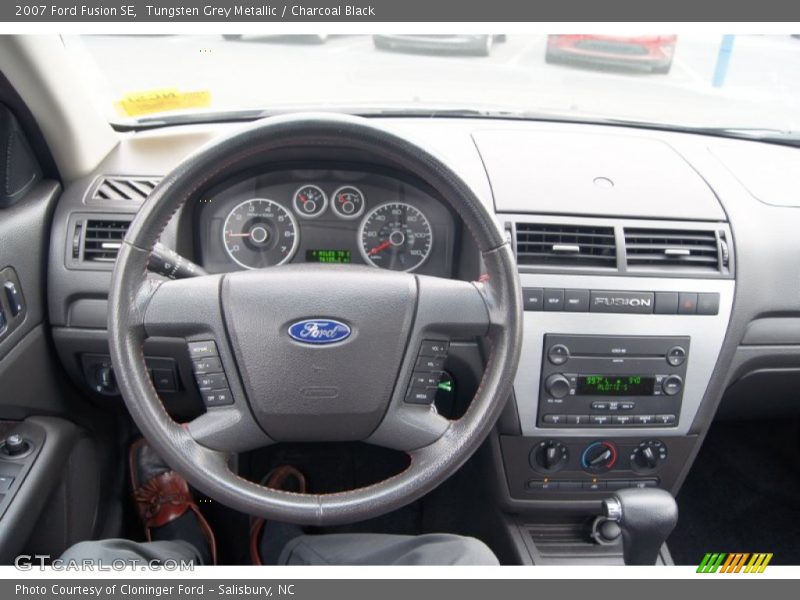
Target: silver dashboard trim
707, 334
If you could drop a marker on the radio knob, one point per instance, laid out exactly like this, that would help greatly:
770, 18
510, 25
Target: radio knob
549, 456
672, 385
557, 385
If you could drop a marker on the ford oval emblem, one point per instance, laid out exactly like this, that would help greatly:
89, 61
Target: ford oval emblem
319, 331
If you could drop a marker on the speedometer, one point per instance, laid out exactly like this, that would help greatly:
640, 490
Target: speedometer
395, 236
260, 233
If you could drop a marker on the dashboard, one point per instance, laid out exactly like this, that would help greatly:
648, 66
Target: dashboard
322, 215
642, 256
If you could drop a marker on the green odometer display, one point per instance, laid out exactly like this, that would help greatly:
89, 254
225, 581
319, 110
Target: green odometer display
615, 385
328, 256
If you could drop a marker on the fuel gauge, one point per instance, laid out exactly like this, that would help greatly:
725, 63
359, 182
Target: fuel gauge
310, 201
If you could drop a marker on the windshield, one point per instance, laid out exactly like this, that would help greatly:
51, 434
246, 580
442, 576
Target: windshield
708, 81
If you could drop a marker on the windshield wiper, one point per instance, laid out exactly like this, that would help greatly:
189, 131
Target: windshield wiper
774, 136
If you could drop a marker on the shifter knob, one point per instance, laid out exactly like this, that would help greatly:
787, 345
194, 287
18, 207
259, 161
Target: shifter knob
646, 517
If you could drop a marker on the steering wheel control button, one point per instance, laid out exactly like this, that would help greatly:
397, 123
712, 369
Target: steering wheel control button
217, 397
429, 363
666, 303
202, 349
532, 298
687, 303
708, 303
423, 380
207, 365
672, 385
676, 356
558, 354
164, 380
553, 300
576, 300
212, 381
433, 348
418, 395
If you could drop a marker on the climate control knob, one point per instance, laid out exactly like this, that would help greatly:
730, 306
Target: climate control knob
599, 457
648, 456
557, 385
549, 456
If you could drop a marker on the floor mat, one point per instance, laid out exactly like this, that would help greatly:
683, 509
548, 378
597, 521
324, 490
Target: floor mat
742, 494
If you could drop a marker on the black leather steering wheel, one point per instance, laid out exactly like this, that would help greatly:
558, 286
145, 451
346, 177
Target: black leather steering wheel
283, 390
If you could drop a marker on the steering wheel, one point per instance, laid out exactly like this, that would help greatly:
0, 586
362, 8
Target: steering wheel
283, 389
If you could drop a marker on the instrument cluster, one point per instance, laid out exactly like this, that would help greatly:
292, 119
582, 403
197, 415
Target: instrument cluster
324, 216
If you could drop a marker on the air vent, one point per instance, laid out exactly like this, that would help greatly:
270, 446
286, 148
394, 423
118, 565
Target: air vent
102, 239
123, 189
673, 249
565, 245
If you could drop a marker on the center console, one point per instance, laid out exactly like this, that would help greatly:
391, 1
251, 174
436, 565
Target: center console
615, 365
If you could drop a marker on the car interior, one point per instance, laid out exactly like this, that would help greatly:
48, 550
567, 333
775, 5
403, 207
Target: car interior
577, 342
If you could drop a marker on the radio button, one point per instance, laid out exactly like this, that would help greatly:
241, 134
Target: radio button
708, 303
578, 419
599, 405
622, 419
576, 300
532, 298
643, 419
665, 419
687, 303
555, 419
553, 299
672, 385
627, 405
666, 303
676, 355
558, 354
600, 419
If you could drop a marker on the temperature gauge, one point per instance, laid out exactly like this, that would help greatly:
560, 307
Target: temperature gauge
348, 202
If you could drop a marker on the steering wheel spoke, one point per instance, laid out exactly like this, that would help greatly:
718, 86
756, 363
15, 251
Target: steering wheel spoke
228, 429
182, 307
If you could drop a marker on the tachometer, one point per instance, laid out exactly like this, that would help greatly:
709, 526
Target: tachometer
395, 236
260, 233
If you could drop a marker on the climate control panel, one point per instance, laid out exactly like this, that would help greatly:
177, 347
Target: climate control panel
549, 468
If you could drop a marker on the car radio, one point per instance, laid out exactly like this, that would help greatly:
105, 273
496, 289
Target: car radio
612, 381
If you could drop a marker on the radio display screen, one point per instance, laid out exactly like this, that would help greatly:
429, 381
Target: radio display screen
615, 385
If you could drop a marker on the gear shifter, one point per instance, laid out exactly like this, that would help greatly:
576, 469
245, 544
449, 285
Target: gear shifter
646, 517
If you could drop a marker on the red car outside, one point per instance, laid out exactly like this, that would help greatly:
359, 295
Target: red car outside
654, 52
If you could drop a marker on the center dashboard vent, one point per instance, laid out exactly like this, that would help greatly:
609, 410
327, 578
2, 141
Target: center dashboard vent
101, 239
122, 189
675, 249
544, 244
